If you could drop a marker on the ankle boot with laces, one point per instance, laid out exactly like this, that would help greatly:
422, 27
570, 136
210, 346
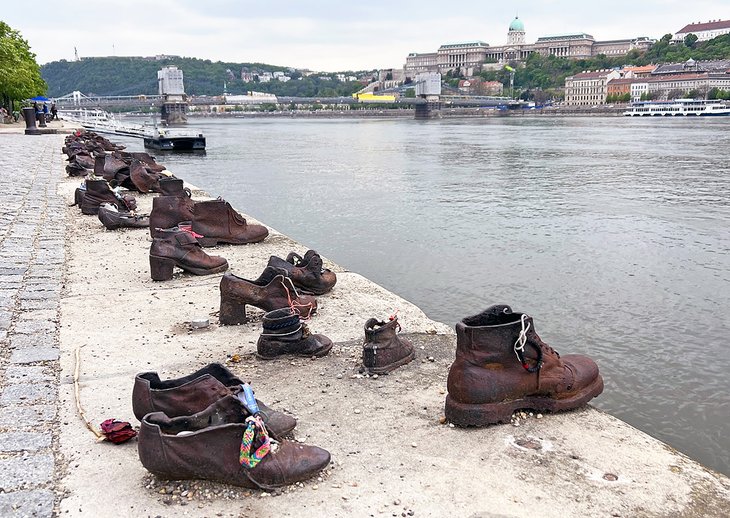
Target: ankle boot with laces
285, 333
502, 365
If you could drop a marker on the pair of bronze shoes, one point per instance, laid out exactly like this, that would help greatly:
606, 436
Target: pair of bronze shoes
194, 427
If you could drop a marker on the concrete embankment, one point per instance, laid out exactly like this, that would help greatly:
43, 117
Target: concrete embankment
391, 456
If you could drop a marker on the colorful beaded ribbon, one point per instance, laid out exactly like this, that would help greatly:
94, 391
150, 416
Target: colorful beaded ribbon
254, 430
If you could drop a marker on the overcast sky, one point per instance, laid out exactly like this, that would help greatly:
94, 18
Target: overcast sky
323, 34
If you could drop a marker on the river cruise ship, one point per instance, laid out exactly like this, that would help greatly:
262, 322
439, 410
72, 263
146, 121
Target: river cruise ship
678, 108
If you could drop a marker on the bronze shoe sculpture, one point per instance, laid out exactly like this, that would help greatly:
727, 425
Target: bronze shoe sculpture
171, 186
272, 290
112, 218
208, 445
142, 179
306, 272
181, 249
217, 222
170, 211
502, 365
383, 350
196, 392
285, 333
98, 192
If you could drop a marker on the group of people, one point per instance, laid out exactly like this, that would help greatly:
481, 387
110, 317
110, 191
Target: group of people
42, 111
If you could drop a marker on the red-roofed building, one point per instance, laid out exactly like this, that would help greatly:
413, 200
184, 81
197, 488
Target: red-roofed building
704, 31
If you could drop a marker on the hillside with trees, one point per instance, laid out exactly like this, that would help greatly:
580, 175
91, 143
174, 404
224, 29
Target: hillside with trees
547, 74
138, 75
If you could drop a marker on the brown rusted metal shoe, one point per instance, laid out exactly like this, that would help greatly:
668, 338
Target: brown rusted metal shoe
285, 333
217, 222
142, 179
169, 211
171, 186
207, 446
272, 290
383, 350
194, 393
112, 218
307, 273
502, 365
97, 192
178, 248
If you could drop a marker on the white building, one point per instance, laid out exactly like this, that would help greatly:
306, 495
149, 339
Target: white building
704, 31
170, 81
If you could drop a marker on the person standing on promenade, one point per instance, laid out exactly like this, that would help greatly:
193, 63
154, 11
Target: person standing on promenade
45, 111
54, 112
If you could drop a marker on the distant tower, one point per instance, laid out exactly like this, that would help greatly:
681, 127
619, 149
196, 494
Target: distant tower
516, 32
175, 104
76, 54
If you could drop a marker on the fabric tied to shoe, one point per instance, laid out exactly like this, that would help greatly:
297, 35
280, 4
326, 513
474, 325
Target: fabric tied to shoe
186, 238
255, 443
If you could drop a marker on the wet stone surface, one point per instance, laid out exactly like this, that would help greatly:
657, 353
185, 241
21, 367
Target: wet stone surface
31, 270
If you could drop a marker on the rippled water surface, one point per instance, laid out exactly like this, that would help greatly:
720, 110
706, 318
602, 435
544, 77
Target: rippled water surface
614, 234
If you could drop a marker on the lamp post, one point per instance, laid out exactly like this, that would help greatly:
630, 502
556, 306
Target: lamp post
511, 81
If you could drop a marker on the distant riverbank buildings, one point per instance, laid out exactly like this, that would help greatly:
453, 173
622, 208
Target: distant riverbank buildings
470, 57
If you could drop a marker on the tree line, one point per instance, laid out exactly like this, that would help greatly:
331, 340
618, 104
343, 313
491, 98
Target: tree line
20, 76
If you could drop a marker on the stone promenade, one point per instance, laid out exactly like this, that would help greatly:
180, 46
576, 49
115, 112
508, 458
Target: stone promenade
32, 226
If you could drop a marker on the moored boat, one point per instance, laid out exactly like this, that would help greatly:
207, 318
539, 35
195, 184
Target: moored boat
679, 108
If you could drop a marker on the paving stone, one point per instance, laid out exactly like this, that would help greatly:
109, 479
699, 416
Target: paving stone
18, 472
24, 441
40, 314
38, 304
28, 394
42, 339
20, 417
38, 295
18, 270
28, 374
36, 503
34, 354
33, 326
5, 319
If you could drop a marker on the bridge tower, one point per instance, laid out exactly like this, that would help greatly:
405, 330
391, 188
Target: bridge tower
175, 103
428, 88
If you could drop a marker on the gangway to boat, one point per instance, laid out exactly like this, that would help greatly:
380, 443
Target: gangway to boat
173, 139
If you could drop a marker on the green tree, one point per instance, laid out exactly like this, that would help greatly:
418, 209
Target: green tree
20, 76
690, 40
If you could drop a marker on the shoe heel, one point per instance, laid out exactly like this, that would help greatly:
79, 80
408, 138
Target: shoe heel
464, 414
232, 313
161, 268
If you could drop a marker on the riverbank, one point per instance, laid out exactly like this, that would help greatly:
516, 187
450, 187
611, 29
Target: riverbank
391, 454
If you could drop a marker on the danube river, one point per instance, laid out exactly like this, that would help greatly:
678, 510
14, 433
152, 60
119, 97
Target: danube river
613, 233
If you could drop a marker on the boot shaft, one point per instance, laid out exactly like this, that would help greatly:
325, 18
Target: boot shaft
168, 211
381, 333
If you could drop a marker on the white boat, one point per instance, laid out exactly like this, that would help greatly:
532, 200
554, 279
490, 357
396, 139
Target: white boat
155, 137
679, 108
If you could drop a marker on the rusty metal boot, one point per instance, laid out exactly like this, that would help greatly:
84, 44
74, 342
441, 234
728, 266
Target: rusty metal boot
169, 211
144, 180
196, 392
217, 222
383, 350
502, 365
285, 333
181, 249
307, 273
272, 290
113, 219
209, 445
97, 192
171, 186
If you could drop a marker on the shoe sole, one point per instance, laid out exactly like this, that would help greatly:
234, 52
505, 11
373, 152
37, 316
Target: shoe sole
318, 354
213, 241
465, 414
390, 368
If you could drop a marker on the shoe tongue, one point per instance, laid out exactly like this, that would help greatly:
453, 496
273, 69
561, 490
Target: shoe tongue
495, 315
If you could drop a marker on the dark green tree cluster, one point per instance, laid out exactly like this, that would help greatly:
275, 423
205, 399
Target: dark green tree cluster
20, 76
138, 76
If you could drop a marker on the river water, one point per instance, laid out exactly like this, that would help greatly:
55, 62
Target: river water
613, 233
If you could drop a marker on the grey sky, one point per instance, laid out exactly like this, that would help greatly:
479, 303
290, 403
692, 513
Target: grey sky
323, 34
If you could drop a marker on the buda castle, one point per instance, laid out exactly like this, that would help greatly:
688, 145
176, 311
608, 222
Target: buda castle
470, 57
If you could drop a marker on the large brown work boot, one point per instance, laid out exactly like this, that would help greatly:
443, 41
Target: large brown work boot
284, 333
97, 192
142, 179
196, 392
307, 273
272, 290
169, 211
383, 350
217, 222
178, 248
209, 444
502, 365
171, 186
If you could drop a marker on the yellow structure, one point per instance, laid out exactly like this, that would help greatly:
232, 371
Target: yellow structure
369, 97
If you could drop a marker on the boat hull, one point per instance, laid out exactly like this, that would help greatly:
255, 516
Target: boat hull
175, 143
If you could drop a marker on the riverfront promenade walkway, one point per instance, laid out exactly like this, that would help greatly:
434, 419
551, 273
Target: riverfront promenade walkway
32, 227
67, 284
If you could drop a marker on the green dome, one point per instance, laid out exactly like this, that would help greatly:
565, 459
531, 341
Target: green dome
517, 25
